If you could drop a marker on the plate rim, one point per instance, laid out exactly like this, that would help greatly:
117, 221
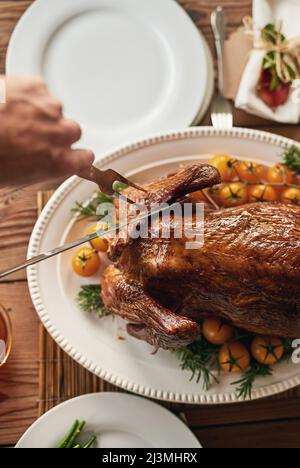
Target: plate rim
33, 276
87, 396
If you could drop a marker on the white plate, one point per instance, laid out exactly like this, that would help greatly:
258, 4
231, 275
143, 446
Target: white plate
125, 69
118, 421
94, 343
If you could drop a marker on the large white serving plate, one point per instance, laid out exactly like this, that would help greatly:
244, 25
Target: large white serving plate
124, 69
117, 420
94, 343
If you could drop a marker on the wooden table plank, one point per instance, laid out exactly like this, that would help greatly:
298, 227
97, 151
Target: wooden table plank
19, 377
18, 215
280, 434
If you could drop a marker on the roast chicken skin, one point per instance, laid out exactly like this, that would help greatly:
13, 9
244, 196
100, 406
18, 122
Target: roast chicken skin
248, 272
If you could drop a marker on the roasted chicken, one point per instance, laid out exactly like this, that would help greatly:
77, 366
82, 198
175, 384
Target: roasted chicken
247, 272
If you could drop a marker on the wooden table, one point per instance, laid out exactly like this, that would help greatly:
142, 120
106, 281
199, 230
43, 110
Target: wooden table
268, 423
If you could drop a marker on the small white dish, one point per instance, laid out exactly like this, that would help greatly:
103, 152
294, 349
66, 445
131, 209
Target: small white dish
125, 69
117, 420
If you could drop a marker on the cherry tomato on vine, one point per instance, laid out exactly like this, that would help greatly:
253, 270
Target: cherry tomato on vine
262, 193
217, 332
86, 262
290, 196
251, 171
233, 194
279, 174
234, 357
225, 165
100, 244
267, 350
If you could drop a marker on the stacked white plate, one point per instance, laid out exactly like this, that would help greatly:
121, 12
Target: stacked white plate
124, 69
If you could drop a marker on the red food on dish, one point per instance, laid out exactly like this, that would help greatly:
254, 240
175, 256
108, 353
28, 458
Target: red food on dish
272, 97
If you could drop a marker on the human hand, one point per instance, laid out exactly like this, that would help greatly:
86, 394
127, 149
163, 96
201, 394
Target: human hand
35, 138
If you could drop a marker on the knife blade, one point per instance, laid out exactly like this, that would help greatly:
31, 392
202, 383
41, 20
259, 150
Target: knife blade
71, 245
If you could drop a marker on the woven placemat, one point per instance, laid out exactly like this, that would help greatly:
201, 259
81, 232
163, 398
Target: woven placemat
61, 378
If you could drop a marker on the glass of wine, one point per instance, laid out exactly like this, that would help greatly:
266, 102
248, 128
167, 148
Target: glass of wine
5, 335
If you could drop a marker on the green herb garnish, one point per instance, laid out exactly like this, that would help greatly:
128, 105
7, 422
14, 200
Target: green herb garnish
70, 439
89, 300
244, 386
291, 159
119, 186
200, 358
89, 209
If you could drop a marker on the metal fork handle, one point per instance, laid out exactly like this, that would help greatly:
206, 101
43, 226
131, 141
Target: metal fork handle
218, 26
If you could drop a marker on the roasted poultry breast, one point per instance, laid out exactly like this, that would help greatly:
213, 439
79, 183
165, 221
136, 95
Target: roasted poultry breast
247, 271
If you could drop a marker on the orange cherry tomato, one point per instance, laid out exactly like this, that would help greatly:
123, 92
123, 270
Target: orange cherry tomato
217, 332
234, 357
225, 165
86, 262
290, 196
234, 194
198, 197
267, 349
251, 171
100, 244
262, 193
279, 174
203, 196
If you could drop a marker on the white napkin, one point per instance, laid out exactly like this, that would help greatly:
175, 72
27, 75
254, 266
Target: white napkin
264, 12
2, 350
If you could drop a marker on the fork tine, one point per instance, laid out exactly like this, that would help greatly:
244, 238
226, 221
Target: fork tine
126, 181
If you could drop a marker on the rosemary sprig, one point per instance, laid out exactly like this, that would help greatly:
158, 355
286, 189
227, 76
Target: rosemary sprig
89, 209
244, 386
291, 159
199, 357
89, 300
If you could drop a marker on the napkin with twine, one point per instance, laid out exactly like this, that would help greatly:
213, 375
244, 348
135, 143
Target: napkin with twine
286, 14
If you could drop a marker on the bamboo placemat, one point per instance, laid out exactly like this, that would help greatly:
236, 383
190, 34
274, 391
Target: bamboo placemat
61, 378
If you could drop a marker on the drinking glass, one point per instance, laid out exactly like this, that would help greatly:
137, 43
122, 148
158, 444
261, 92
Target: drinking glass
5, 335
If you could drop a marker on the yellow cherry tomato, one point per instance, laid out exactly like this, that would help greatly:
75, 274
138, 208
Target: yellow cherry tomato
225, 165
234, 357
262, 193
100, 244
86, 262
216, 331
290, 196
251, 171
234, 194
279, 174
267, 349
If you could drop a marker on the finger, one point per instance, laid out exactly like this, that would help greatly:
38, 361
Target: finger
61, 134
47, 106
71, 130
75, 161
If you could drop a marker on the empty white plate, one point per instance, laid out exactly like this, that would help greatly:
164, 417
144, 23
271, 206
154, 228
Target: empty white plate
123, 68
117, 420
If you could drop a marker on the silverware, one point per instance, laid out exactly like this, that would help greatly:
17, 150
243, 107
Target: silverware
72, 245
221, 115
107, 181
